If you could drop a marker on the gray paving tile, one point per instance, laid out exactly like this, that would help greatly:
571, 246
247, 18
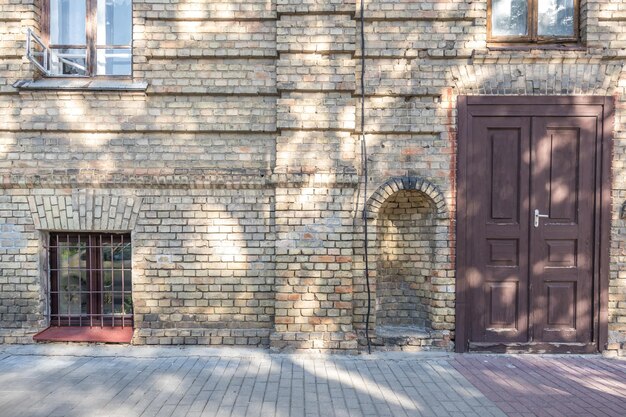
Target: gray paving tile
264, 385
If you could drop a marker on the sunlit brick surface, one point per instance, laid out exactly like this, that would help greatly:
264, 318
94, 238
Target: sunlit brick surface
237, 171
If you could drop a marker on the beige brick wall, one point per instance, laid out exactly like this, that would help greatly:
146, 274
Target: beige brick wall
204, 263
405, 240
252, 118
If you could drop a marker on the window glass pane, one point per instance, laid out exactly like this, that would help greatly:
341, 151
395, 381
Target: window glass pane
118, 303
107, 280
121, 255
107, 255
509, 17
67, 22
69, 62
128, 303
117, 279
555, 18
72, 255
114, 62
70, 300
84, 309
107, 303
115, 22
128, 279
91, 275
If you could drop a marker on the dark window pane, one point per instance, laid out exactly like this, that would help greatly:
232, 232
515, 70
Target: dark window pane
128, 274
121, 255
70, 297
72, 255
509, 18
117, 283
90, 280
555, 18
115, 22
118, 303
107, 254
84, 306
67, 22
107, 303
128, 303
107, 280
127, 254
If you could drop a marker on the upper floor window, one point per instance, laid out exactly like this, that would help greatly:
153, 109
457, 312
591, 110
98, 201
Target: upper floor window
549, 21
89, 37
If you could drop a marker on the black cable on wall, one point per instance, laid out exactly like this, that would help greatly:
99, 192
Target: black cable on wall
365, 183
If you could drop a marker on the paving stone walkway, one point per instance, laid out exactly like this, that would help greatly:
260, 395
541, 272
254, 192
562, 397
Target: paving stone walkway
73, 381
548, 386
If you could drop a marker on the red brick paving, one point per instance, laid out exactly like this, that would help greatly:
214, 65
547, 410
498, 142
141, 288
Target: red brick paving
550, 386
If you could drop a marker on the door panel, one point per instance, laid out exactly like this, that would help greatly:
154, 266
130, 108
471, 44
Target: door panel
499, 269
561, 249
523, 287
531, 283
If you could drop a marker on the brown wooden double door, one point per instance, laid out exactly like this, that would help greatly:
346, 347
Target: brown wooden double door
530, 225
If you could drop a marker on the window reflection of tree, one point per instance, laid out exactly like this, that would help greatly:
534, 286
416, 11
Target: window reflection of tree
510, 17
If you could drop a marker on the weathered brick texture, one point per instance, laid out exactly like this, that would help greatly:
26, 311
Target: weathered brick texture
243, 76
405, 241
202, 38
22, 299
232, 10
205, 263
121, 112
240, 163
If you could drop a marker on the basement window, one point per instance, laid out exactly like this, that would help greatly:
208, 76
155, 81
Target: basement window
90, 292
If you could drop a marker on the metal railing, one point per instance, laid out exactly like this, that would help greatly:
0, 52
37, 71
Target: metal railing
49, 62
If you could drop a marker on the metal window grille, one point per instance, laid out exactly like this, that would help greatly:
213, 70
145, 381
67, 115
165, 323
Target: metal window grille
90, 280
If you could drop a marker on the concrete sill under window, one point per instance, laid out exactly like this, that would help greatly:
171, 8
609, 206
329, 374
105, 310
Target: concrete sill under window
494, 46
85, 334
81, 84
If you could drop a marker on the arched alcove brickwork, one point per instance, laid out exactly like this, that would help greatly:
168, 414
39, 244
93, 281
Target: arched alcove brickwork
396, 184
409, 254
405, 244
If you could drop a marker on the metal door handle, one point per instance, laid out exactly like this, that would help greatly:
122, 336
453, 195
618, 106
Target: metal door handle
538, 215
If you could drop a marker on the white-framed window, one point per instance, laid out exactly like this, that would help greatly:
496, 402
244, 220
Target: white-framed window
89, 37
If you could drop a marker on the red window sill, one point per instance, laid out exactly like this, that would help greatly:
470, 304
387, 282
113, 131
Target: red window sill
85, 334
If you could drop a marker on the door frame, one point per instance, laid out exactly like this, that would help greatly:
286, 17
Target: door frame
599, 106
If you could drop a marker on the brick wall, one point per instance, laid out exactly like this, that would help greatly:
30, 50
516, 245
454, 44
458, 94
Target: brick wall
405, 237
204, 270
245, 153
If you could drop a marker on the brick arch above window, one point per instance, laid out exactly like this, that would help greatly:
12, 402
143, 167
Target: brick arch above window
578, 78
85, 211
529, 21
395, 184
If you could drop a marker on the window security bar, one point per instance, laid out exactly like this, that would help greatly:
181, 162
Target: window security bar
49, 62
90, 280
